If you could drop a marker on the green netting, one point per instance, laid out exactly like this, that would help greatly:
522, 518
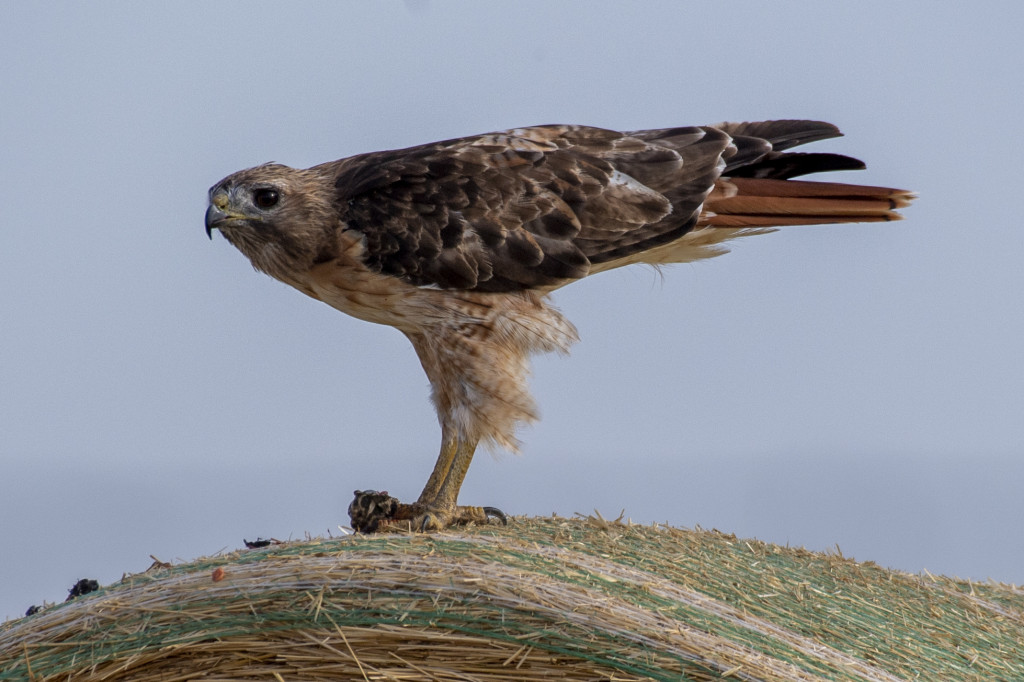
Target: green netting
576, 599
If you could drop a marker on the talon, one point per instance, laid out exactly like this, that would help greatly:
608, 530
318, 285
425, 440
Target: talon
495, 513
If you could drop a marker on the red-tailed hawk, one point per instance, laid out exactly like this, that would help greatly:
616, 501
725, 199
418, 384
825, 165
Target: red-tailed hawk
458, 243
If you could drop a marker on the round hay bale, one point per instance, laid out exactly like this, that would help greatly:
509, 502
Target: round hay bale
580, 599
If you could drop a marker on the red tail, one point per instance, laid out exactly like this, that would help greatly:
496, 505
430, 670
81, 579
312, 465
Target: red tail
761, 202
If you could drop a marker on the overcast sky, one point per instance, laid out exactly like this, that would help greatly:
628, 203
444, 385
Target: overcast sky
858, 385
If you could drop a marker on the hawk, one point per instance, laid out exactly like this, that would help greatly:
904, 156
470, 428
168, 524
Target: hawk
457, 244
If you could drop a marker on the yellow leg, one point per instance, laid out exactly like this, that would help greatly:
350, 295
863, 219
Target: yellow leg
442, 489
449, 445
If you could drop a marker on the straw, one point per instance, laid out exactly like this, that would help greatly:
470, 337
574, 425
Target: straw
572, 599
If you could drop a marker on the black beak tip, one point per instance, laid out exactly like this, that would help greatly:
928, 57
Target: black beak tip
213, 214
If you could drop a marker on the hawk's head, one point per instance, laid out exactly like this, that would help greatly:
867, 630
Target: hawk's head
281, 218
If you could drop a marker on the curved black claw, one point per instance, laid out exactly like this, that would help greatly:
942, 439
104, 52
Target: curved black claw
495, 513
428, 523
370, 508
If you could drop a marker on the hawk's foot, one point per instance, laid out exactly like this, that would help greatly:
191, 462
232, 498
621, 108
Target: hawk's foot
438, 519
371, 510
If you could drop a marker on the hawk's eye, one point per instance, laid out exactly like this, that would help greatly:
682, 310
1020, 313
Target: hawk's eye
265, 197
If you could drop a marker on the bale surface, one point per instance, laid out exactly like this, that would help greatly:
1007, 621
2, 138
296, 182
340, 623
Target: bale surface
573, 599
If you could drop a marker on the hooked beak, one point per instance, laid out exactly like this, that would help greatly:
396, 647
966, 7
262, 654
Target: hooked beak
217, 214
214, 217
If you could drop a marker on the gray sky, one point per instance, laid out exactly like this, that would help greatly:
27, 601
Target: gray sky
857, 385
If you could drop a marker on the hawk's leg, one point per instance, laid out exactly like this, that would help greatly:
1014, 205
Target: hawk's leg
436, 508
443, 468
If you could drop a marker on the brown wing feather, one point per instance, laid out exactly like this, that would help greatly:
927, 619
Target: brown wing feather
531, 207
700, 161
538, 207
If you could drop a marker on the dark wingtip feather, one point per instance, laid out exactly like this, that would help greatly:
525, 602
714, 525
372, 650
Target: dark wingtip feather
785, 166
783, 134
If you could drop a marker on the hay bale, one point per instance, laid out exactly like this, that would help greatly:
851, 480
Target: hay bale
580, 599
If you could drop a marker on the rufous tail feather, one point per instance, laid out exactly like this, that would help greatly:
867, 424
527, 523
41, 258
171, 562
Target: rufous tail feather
762, 202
